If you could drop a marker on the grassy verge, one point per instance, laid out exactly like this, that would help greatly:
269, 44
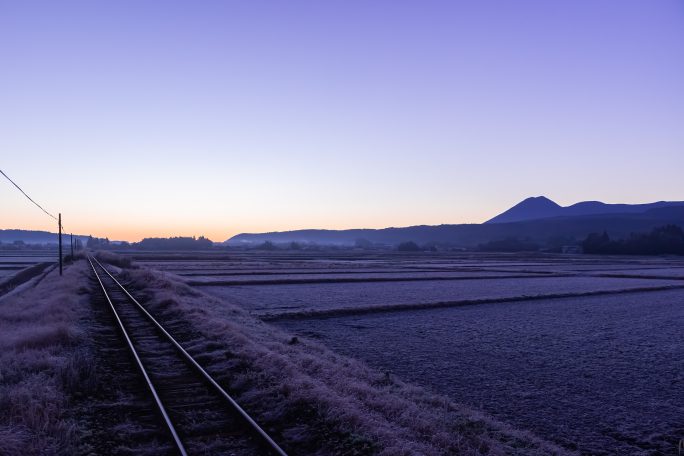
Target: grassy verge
41, 365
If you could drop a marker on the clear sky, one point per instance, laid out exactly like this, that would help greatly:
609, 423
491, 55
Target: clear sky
141, 118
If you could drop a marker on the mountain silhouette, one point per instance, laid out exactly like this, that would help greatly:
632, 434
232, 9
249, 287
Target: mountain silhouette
532, 208
541, 207
537, 220
36, 237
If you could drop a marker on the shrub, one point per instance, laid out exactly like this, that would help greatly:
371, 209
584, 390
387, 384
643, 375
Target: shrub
113, 259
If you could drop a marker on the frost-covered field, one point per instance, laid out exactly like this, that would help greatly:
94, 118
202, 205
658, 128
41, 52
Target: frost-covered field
277, 300
341, 276
603, 374
26, 258
17, 267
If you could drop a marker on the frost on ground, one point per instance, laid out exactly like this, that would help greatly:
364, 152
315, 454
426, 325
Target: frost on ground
585, 372
39, 342
209, 279
601, 374
315, 401
328, 299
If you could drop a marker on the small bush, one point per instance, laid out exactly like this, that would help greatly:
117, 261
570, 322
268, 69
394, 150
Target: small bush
113, 259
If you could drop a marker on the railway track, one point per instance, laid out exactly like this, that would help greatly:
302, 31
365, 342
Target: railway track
198, 415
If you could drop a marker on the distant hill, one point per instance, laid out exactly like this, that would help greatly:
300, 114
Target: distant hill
34, 237
544, 231
532, 208
540, 207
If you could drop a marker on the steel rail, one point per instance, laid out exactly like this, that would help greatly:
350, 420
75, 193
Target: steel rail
153, 390
253, 425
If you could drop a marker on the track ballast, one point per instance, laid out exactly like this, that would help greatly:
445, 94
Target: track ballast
197, 413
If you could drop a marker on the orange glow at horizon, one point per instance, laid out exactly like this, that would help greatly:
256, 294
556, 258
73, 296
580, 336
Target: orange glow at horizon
213, 231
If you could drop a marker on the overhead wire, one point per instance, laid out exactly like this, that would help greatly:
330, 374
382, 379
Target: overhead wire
26, 195
58, 220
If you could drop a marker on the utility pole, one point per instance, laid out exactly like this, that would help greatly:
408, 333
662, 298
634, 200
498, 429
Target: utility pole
60, 243
72, 246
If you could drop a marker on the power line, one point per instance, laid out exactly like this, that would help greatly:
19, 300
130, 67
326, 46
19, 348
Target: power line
29, 198
58, 220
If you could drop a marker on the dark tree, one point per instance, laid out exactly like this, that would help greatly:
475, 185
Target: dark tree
409, 246
596, 243
268, 245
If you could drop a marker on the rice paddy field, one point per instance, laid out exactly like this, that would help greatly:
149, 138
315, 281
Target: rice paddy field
13, 261
584, 351
18, 267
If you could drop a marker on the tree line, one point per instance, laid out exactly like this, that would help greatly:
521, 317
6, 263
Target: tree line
663, 240
172, 243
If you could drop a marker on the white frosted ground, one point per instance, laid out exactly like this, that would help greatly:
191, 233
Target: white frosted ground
282, 299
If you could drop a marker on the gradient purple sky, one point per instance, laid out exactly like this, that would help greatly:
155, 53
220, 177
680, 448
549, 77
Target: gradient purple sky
178, 118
